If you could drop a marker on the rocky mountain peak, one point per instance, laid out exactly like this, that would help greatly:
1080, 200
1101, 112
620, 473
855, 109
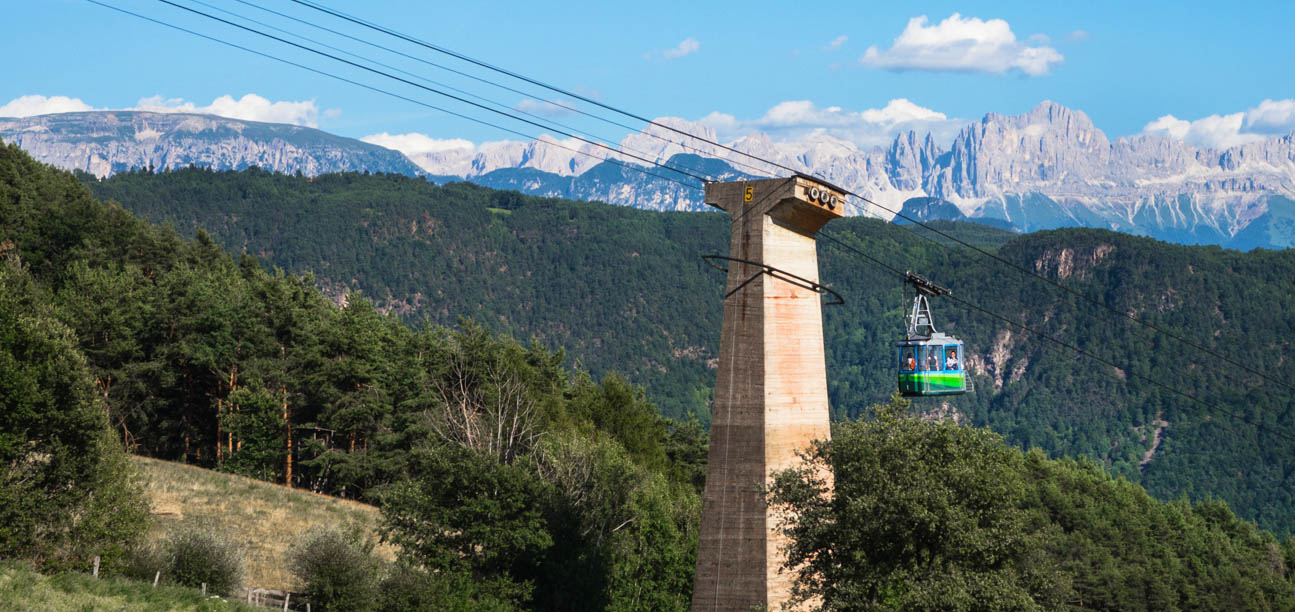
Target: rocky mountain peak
1049, 144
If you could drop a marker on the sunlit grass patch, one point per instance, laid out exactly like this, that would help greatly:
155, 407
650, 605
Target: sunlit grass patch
267, 519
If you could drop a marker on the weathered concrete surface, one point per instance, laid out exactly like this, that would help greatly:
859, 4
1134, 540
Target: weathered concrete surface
771, 387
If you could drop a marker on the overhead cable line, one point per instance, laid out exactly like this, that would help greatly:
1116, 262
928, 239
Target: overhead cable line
417, 76
984, 253
426, 88
852, 249
388, 93
555, 104
846, 247
1026, 271
899, 214
439, 49
460, 73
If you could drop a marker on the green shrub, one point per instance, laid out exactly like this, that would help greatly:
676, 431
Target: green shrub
198, 555
144, 561
338, 569
415, 590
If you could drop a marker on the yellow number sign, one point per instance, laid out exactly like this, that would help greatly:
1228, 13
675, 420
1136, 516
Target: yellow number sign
750, 193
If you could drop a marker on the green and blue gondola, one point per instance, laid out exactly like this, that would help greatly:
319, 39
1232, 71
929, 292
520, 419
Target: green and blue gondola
930, 362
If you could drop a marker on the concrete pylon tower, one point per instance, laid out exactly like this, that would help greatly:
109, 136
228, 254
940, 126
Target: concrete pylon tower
771, 387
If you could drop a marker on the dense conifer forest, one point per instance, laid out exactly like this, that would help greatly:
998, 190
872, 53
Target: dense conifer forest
625, 290
516, 476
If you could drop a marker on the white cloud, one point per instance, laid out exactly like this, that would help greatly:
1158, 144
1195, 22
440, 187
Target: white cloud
27, 106
1168, 126
687, 46
1222, 131
961, 44
1079, 36
250, 107
414, 143
838, 42
800, 119
1271, 117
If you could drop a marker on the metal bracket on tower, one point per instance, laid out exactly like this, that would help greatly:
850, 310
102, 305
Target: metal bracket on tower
781, 275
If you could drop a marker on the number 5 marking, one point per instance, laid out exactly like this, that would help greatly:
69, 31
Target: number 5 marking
750, 194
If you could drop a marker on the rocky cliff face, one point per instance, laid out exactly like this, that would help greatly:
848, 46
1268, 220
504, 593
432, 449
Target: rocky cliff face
1048, 168
106, 142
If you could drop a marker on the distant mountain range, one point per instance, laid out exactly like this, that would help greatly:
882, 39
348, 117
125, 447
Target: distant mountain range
1048, 168
107, 142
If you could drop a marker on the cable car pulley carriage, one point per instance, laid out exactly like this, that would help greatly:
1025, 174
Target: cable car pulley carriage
930, 362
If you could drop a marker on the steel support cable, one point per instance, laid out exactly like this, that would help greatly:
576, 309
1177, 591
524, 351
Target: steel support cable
426, 88
416, 76
439, 49
982, 252
899, 214
453, 71
646, 172
1023, 270
494, 84
1068, 346
388, 93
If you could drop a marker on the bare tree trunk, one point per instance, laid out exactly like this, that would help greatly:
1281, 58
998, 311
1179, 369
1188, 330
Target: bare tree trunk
220, 410
287, 434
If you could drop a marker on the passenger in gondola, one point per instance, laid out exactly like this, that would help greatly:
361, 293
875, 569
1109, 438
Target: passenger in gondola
910, 363
952, 361
933, 360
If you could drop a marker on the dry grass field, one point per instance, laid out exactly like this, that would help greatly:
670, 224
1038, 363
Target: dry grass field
267, 519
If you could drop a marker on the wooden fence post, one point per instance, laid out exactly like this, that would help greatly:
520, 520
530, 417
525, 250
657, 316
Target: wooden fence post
204, 589
286, 597
155, 577
96, 566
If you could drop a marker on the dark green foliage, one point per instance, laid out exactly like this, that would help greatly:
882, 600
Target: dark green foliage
67, 492
339, 571
624, 290
514, 482
925, 516
200, 554
417, 590
933, 516
463, 511
551, 493
581, 276
507, 478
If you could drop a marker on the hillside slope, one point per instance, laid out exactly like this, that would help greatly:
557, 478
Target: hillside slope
267, 518
623, 289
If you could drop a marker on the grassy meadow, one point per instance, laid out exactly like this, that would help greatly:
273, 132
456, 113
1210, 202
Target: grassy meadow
265, 518
22, 589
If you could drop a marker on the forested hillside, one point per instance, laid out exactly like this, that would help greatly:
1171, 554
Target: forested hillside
623, 289
506, 480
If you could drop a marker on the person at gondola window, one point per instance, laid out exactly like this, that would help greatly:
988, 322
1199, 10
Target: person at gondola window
952, 360
933, 359
909, 362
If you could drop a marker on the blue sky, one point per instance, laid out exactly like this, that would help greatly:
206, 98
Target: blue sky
1211, 73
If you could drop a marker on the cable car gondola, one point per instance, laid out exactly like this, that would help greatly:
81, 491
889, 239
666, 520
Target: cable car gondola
930, 362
